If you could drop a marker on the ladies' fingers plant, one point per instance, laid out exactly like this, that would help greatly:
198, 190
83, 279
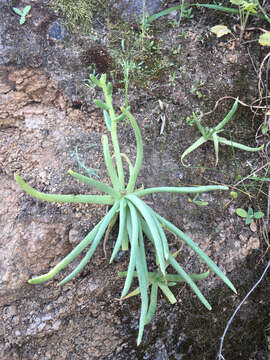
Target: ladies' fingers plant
212, 135
137, 221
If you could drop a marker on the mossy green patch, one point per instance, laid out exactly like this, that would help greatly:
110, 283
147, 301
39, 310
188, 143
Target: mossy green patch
79, 15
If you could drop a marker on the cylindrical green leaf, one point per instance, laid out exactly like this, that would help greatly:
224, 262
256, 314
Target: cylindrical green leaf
239, 146
103, 226
101, 104
147, 215
90, 199
75, 252
190, 282
197, 250
133, 236
109, 164
122, 224
180, 189
97, 184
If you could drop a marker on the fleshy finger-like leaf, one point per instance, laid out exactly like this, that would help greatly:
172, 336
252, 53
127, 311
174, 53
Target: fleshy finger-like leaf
143, 284
194, 277
190, 282
122, 224
215, 140
94, 183
167, 292
239, 146
133, 232
198, 251
107, 119
139, 157
103, 226
162, 235
147, 215
17, 11
227, 117
181, 189
109, 164
90, 199
153, 303
26, 10
22, 20
192, 147
199, 125
75, 252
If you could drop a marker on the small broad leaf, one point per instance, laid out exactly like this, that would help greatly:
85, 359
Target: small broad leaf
22, 20
258, 215
26, 10
220, 30
241, 212
264, 39
17, 11
264, 129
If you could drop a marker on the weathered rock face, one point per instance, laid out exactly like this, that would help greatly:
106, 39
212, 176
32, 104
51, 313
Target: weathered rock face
32, 237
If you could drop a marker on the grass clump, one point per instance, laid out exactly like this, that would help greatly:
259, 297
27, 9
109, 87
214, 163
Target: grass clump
138, 222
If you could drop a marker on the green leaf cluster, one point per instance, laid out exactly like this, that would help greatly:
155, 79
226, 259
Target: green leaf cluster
249, 215
23, 13
137, 221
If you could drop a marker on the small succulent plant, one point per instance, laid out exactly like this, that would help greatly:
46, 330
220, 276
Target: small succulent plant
137, 221
212, 135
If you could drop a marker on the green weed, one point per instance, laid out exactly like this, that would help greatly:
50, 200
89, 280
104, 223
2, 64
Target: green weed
249, 215
212, 135
23, 13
